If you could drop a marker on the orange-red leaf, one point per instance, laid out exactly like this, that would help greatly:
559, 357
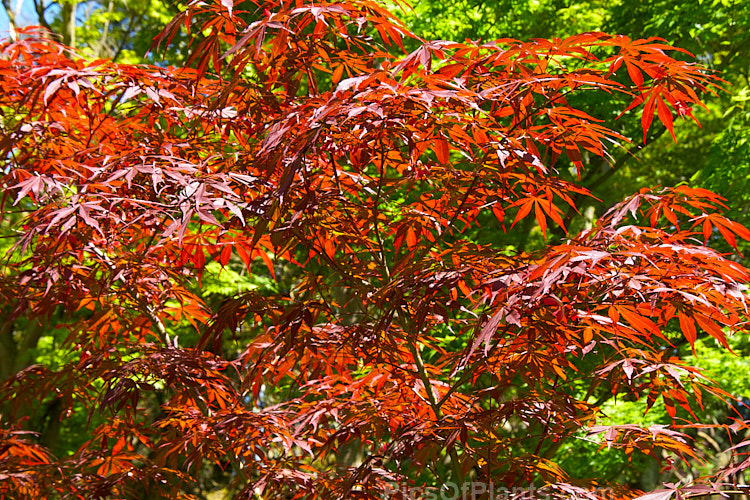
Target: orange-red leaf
687, 325
665, 115
442, 150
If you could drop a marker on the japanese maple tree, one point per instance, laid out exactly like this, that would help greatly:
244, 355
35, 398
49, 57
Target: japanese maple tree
394, 343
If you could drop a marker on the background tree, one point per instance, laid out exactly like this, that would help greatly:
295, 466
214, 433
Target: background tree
392, 337
113, 29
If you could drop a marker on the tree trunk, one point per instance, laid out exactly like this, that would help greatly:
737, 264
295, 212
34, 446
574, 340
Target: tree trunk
11, 18
68, 17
